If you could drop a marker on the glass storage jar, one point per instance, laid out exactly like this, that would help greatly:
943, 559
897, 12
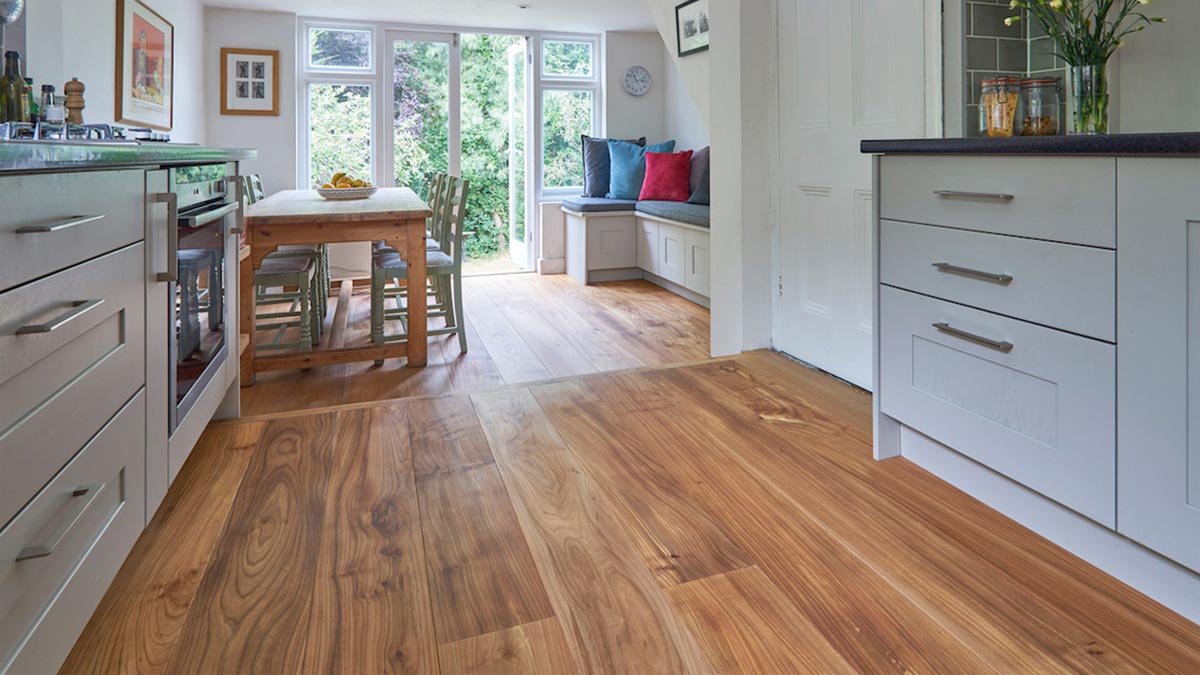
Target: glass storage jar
998, 101
1041, 108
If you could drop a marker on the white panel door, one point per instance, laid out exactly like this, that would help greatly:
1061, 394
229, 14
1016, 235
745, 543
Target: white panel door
1158, 355
849, 70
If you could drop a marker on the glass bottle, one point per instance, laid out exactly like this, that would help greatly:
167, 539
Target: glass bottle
31, 106
12, 90
47, 101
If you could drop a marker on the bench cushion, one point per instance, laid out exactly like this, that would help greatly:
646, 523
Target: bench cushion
597, 204
692, 214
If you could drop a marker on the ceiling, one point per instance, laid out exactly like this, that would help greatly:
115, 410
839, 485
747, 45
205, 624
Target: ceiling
587, 16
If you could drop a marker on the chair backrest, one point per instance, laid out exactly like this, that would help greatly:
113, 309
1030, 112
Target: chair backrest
454, 218
437, 203
252, 188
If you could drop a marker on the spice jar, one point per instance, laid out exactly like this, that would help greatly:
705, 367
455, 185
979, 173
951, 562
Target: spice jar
1041, 108
998, 103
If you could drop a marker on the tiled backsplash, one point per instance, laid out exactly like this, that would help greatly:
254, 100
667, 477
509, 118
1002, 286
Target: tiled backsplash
992, 49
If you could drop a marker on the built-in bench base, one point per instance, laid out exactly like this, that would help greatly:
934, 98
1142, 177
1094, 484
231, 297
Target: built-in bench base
624, 245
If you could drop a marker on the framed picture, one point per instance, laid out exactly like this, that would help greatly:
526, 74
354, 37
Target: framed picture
249, 81
145, 66
691, 26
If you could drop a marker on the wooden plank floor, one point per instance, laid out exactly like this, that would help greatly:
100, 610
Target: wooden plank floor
521, 328
720, 517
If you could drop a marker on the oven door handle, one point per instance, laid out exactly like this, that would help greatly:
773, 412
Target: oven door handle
202, 219
172, 201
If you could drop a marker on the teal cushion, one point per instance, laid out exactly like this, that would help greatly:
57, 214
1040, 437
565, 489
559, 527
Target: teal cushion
629, 167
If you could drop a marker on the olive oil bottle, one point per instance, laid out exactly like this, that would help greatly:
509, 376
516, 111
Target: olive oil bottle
13, 99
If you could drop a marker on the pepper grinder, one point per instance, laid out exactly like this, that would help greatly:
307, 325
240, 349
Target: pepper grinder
75, 103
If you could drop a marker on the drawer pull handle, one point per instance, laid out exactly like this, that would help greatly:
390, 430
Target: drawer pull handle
999, 346
82, 499
946, 267
77, 310
73, 221
986, 196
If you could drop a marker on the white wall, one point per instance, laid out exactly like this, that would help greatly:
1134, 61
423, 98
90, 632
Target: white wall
1157, 87
627, 116
77, 38
683, 122
694, 69
274, 137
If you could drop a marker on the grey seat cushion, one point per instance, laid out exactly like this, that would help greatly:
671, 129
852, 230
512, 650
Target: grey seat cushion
692, 214
597, 204
392, 262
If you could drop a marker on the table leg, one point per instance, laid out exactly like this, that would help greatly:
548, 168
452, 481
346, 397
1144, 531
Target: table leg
418, 324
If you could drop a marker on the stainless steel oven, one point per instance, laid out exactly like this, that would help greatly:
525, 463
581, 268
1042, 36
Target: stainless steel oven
200, 201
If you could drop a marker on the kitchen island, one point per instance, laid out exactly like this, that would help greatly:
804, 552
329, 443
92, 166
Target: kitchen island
1037, 338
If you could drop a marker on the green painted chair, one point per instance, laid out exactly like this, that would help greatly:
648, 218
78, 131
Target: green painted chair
443, 267
286, 272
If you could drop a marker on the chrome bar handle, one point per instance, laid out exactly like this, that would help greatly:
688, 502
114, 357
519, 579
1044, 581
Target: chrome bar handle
83, 498
239, 192
172, 201
73, 221
210, 216
77, 310
946, 267
999, 346
986, 196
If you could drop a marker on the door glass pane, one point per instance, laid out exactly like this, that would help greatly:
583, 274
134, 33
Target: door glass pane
566, 115
339, 48
566, 59
493, 147
421, 112
339, 137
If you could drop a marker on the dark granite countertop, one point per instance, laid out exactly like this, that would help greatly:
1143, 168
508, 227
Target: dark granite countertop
26, 157
1152, 145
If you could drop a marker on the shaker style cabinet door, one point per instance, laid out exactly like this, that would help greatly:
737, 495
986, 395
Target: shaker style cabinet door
1158, 355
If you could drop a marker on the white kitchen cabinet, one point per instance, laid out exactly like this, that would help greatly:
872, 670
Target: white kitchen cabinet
647, 245
672, 253
696, 275
1158, 469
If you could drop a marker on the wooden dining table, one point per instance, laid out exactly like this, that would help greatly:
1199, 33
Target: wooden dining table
302, 217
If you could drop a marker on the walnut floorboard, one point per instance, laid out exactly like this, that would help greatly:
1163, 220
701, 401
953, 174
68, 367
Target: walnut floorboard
722, 517
254, 603
481, 573
138, 623
617, 619
520, 328
536, 648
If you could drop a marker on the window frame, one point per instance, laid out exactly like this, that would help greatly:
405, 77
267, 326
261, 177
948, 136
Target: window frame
543, 82
304, 148
306, 65
592, 43
550, 190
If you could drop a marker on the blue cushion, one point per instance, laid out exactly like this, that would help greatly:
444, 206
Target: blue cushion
629, 167
597, 166
597, 204
692, 214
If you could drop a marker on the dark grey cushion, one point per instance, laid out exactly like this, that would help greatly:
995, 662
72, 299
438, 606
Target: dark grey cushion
699, 170
700, 193
692, 214
597, 204
597, 165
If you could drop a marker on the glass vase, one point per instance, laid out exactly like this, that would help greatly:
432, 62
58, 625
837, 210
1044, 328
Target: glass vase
1089, 99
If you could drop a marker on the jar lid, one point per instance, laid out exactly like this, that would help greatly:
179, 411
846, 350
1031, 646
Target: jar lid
1039, 83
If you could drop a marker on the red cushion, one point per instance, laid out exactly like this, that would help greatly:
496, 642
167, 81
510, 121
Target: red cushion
668, 176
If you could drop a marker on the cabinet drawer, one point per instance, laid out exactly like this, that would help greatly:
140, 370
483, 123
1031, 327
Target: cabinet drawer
1040, 410
59, 386
1065, 199
63, 219
1059, 285
672, 254
71, 540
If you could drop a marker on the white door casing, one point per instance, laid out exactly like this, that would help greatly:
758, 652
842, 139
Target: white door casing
848, 70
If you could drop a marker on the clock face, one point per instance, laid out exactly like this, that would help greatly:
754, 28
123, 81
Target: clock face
636, 81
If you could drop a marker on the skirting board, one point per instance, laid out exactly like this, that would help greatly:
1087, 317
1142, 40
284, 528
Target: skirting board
620, 274
552, 265
677, 289
1174, 586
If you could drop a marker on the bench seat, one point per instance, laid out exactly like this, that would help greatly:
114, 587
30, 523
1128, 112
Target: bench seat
598, 205
680, 212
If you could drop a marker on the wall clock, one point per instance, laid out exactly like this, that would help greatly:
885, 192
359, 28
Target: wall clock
636, 81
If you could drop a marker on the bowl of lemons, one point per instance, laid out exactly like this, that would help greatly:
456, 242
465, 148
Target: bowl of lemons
342, 186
